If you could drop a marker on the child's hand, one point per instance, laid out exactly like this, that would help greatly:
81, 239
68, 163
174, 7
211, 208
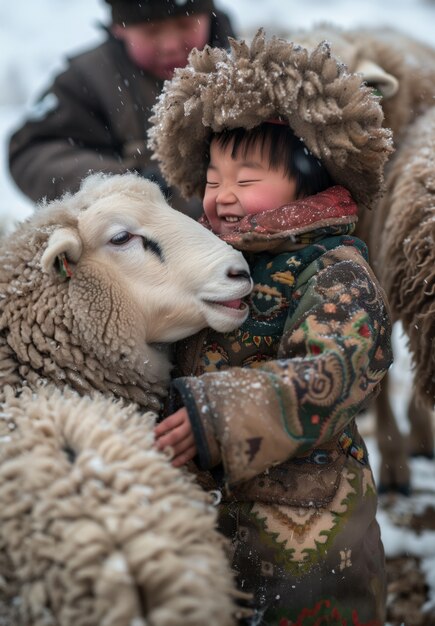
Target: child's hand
175, 432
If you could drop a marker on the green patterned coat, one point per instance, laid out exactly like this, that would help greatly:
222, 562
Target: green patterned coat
273, 409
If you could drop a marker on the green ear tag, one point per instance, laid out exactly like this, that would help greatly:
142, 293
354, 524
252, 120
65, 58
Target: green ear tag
64, 269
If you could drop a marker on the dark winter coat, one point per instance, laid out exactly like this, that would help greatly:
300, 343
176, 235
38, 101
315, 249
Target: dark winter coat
94, 117
273, 409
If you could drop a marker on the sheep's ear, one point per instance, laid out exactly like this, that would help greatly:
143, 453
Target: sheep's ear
63, 249
374, 75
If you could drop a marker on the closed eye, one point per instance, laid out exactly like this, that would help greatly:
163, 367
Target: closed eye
210, 184
248, 182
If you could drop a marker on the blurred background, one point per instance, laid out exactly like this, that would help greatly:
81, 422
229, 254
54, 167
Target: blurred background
36, 36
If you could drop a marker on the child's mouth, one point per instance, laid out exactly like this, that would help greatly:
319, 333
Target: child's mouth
231, 218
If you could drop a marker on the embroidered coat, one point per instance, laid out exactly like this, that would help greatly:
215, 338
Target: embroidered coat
273, 408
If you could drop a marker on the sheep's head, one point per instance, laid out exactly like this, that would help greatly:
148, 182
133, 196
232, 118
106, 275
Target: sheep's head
140, 272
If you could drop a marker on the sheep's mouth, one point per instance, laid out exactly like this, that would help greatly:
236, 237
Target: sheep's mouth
235, 305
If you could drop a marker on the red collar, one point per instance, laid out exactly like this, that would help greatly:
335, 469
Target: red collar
330, 207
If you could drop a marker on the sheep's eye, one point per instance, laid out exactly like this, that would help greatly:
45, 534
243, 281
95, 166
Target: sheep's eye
121, 238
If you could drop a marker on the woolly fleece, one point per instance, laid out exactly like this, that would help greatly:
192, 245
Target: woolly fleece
96, 527
403, 234
99, 527
408, 60
40, 337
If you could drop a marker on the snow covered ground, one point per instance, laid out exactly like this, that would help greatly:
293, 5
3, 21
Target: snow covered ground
35, 38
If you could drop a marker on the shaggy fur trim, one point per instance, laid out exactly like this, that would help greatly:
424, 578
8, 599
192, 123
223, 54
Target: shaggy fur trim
98, 525
409, 61
337, 117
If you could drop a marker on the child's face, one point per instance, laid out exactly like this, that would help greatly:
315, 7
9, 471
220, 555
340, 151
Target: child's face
162, 45
242, 186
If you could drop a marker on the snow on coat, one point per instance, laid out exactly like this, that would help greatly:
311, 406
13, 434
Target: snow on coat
402, 69
274, 404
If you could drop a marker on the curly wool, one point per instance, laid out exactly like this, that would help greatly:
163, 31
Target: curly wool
110, 528
408, 60
336, 116
96, 527
403, 235
39, 334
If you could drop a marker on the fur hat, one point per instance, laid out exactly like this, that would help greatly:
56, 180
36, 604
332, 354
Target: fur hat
337, 117
133, 11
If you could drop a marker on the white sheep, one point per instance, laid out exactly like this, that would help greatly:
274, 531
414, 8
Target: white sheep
96, 527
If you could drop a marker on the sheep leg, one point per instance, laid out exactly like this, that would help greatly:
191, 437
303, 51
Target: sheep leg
394, 467
421, 437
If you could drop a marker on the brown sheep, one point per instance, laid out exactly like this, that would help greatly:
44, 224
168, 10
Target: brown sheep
96, 527
402, 69
403, 234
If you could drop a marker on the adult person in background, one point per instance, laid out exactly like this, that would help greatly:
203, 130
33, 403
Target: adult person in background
94, 117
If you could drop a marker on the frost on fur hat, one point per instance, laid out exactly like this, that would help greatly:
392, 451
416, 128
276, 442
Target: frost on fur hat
338, 118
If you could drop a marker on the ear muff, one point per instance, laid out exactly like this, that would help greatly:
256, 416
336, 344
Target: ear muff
63, 250
386, 84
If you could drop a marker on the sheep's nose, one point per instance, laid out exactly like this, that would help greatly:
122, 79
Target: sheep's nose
238, 274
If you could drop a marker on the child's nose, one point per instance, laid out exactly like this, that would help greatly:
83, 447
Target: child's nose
225, 196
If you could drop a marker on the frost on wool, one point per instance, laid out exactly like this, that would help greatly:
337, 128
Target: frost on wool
93, 285
96, 526
40, 337
400, 67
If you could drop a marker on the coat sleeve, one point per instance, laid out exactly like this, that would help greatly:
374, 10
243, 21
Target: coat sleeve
65, 136
334, 352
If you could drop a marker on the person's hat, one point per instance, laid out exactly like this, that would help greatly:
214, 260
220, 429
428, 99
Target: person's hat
129, 12
337, 117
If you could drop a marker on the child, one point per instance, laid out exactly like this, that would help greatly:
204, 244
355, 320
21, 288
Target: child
269, 410
95, 115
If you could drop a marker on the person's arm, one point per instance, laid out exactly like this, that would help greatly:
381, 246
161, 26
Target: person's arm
64, 138
334, 352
